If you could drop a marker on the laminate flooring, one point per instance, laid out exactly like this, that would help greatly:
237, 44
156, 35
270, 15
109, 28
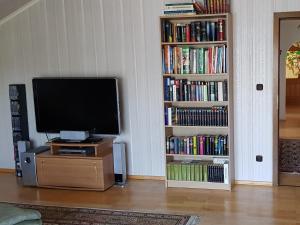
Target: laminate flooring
244, 205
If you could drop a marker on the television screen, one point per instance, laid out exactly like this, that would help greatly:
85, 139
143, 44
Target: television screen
77, 104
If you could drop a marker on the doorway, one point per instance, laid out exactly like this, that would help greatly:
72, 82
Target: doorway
288, 169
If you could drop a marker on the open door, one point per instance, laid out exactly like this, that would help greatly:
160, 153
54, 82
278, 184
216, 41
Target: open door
289, 102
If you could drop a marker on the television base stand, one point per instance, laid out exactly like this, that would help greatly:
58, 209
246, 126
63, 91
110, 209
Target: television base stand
91, 140
92, 171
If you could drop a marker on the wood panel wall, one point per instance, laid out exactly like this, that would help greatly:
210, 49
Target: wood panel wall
117, 37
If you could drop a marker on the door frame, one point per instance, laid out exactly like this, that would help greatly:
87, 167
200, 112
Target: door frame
278, 16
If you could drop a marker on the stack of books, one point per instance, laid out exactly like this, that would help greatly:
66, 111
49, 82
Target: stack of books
186, 8
197, 7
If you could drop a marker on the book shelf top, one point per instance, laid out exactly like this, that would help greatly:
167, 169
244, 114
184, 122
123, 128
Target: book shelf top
196, 103
197, 16
208, 43
202, 127
204, 77
198, 156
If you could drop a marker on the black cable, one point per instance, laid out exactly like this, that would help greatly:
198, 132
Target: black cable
47, 137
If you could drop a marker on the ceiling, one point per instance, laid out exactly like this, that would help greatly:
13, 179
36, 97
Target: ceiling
9, 6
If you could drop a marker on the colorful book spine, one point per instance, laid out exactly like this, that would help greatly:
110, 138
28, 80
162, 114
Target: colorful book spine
198, 145
188, 60
197, 31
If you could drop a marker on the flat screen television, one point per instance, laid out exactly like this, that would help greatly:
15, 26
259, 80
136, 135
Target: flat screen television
77, 104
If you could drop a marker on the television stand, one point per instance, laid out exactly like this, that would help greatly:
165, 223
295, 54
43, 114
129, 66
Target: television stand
93, 171
88, 140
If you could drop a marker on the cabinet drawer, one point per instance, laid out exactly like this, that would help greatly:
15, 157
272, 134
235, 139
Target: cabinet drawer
66, 172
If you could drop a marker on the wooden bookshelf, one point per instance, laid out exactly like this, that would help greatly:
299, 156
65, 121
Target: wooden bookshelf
175, 130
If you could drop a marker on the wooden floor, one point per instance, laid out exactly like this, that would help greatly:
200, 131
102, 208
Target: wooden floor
290, 128
245, 205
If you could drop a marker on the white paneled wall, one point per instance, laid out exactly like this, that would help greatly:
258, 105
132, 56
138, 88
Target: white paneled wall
118, 37
286, 5
90, 38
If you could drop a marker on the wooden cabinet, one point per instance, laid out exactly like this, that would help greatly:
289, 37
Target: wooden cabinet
93, 172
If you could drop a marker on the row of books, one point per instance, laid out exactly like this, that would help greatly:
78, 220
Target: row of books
186, 8
211, 6
198, 145
185, 90
197, 171
188, 60
183, 116
198, 31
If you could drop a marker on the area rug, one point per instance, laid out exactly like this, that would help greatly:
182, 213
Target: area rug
289, 155
82, 216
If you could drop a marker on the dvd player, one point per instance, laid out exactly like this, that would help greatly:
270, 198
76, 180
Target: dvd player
78, 151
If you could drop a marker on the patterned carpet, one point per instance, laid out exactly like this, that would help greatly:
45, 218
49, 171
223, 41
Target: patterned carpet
82, 216
289, 155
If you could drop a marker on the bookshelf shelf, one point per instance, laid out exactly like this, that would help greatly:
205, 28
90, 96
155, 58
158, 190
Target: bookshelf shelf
197, 103
199, 127
196, 157
198, 75
197, 64
202, 77
198, 184
203, 43
195, 17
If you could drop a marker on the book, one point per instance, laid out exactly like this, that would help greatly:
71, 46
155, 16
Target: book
199, 7
185, 60
184, 171
192, 168
188, 171
168, 171
180, 7
179, 11
226, 172
205, 172
170, 116
201, 172
178, 4
172, 172
197, 172
176, 171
